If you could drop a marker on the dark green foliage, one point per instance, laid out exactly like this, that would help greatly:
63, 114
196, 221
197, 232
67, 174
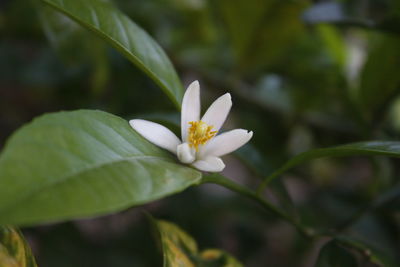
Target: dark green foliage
305, 76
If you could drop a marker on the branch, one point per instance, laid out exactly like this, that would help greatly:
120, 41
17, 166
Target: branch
222, 181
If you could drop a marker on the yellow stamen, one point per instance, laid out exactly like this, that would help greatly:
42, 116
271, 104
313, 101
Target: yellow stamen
199, 133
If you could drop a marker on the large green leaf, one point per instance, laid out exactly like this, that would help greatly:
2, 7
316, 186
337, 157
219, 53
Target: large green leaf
180, 250
373, 148
14, 251
82, 163
104, 19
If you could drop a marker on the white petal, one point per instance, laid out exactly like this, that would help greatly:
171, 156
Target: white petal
226, 143
209, 164
185, 153
190, 108
157, 134
218, 111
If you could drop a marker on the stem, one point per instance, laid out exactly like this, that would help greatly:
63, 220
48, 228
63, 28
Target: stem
221, 180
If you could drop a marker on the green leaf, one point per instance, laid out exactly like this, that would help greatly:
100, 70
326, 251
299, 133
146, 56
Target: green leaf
334, 255
180, 249
65, 35
83, 163
14, 250
105, 20
380, 81
373, 148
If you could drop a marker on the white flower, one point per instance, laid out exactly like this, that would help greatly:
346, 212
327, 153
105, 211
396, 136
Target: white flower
200, 146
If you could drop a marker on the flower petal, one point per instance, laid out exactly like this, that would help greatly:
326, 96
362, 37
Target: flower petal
185, 153
218, 111
209, 164
225, 143
190, 108
157, 134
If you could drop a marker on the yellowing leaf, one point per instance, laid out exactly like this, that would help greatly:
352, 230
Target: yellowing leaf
180, 250
14, 251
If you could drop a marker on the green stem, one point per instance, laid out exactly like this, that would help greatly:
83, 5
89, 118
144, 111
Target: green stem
221, 180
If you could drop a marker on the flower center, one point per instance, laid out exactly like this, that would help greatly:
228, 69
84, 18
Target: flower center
199, 133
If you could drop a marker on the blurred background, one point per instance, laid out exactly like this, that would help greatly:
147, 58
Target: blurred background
302, 74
